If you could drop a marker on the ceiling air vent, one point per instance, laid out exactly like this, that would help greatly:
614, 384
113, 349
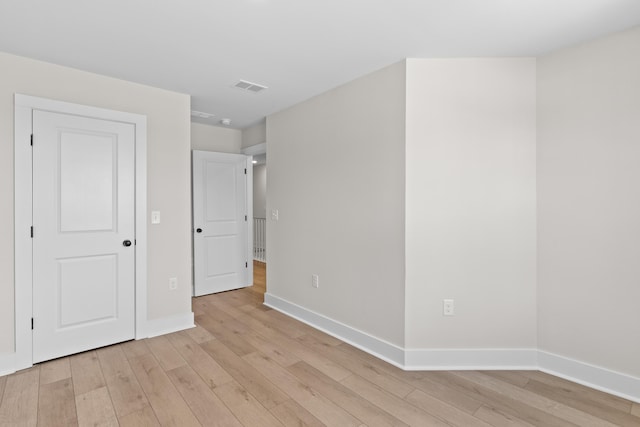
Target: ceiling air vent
201, 114
250, 87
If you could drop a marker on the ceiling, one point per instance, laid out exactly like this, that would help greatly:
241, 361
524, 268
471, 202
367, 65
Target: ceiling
297, 48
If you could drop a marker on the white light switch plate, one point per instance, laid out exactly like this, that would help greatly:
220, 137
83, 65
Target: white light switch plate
155, 217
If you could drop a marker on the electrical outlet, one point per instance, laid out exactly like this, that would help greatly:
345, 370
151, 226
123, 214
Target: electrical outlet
315, 281
274, 214
173, 283
447, 307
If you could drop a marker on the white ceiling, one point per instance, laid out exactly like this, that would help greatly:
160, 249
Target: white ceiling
298, 48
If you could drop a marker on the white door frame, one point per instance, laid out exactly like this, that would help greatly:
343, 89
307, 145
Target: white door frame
23, 176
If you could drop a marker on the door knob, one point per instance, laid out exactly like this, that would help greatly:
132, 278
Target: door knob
198, 230
126, 243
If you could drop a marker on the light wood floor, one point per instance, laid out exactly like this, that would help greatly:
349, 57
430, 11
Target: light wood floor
247, 365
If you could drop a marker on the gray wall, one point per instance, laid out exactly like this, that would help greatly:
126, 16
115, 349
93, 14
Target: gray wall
589, 202
215, 138
260, 191
336, 175
470, 203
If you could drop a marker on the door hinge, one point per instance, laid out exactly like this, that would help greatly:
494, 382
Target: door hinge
246, 265
32, 140
32, 323
245, 217
32, 231
245, 171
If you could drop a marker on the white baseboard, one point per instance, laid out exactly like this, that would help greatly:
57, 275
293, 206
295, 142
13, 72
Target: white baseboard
606, 380
7, 364
470, 359
382, 349
167, 325
611, 382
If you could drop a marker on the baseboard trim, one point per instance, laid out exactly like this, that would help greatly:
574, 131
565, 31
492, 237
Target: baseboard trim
384, 350
167, 325
7, 364
470, 359
615, 383
606, 380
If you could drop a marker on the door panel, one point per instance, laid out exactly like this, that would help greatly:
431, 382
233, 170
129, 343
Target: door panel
83, 210
87, 182
221, 209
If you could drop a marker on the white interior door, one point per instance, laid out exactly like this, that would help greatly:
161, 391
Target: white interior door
222, 210
83, 235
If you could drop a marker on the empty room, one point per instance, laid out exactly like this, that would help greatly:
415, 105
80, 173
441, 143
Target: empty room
339, 213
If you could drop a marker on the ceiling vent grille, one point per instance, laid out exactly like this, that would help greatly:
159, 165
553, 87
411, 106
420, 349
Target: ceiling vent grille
250, 87
201, 114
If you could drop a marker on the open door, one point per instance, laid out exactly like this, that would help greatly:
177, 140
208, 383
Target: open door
222, 227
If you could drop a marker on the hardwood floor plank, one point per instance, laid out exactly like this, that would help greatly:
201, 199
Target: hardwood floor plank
20, 401
281, 356
358, 366
142, 418
86, 372
291, 414
135, 348
199, 334
614, 402
353, 403
165, 353
394, 405
281, 322
166, 401
503, 403
635, 409
209, 370
532, 399
304, 394
245, 407
230, 338
497, 418
441, 410
57, 404
55, 370
206, 406
229, 310
589, 406
327, 366
512, 377
95, 409
447, 394
246, 375
126, 394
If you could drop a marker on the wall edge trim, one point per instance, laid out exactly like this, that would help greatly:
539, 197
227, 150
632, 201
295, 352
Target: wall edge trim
596, 377
377, 347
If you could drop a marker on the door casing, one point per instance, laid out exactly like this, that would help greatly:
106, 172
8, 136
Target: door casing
23, 205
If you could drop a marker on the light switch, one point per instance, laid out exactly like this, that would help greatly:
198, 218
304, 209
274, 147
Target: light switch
274, 214
155, 217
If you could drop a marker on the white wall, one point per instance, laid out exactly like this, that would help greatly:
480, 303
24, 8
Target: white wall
336, 175
168, 173
470, 203
215, 138
589, 202
260, 191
